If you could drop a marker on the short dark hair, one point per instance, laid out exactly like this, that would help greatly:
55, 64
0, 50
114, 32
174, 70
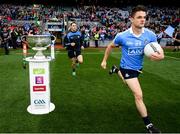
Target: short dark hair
72, 23
138, 8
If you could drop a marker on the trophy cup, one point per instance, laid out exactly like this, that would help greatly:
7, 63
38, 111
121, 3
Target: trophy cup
39, 74
39, 43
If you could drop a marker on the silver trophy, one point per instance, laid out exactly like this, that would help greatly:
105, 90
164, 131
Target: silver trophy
39, 74
39, 43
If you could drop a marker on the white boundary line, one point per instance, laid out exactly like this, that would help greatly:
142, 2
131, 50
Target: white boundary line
90, 53
101, 52
172, 57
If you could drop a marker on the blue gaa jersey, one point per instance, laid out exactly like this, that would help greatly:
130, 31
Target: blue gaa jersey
75, 37
133, 47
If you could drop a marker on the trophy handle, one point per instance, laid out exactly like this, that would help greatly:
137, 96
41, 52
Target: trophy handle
53, 39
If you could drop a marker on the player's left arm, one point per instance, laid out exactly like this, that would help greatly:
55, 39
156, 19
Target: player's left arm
159, 55
156, 56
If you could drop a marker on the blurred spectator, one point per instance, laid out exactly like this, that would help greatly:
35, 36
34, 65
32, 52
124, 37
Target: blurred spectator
5, 37
177, 41
96, 38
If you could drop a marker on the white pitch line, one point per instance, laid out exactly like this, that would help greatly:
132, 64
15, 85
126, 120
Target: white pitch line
90, 53
172, 57
169, 52
95, 53
100, 53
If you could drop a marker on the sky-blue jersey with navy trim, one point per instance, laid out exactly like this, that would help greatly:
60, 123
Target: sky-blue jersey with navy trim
133, 47
74, 36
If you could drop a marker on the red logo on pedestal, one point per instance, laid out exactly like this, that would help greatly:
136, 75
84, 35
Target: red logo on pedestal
39, 88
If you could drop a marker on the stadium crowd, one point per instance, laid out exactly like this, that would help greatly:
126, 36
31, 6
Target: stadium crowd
95, 22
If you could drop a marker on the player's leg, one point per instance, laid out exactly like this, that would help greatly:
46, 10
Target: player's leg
130, 77
79, 57
72, 56
133, 84
135, 87
175, 48
114, 69
6, 48
73, 65
178, 47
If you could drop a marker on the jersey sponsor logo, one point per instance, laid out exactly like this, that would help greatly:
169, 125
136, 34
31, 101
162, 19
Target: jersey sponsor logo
138, 43
135, 51
129, 43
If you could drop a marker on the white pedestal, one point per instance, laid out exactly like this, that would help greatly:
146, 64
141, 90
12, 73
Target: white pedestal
39, 77
40, 111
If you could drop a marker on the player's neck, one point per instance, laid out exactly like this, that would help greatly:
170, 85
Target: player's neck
73, 31
137, 31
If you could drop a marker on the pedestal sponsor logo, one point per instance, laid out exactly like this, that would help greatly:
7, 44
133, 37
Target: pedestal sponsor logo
38, 71
39, 88
39, 102
39, 80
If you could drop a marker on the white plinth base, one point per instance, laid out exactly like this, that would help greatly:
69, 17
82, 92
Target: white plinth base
40, 111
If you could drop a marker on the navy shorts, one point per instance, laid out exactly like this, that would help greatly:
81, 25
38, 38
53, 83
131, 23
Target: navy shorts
128, 73
73, 53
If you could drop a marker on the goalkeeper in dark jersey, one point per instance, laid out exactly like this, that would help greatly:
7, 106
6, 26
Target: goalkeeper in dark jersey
73, 42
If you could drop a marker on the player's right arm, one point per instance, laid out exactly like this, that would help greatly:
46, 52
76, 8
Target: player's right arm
106, 54
67, 43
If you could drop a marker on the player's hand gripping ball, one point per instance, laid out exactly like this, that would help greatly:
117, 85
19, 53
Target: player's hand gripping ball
151, 48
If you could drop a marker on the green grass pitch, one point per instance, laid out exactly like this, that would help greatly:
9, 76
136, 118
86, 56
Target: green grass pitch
92, 101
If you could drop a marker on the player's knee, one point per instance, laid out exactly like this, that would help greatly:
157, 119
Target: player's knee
80, 61
73, 61
138, 97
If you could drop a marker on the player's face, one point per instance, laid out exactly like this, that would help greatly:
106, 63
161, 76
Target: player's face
139, 19
73, 27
